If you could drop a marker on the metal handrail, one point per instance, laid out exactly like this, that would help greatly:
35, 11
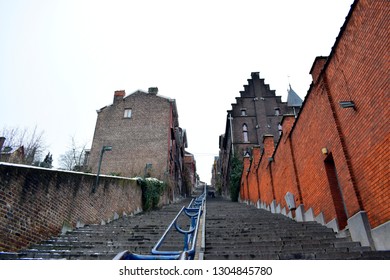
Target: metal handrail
194, 211
190, 235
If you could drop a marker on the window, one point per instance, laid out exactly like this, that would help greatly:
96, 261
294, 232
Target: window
245, 132
277, 111
127, 114
243, 112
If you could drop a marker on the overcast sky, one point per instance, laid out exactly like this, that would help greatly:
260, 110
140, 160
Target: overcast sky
60, 61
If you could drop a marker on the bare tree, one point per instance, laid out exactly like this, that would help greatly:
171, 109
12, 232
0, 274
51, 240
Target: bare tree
31, 141
73, 158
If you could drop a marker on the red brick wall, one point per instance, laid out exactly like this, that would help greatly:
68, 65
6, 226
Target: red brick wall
357, 156
359, 71
252, 178
315, 130
264, 175
284, 164
35, 203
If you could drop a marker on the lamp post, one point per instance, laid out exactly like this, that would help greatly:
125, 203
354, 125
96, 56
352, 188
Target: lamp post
104, 148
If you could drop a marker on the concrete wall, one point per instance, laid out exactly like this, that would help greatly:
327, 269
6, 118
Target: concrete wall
36, 203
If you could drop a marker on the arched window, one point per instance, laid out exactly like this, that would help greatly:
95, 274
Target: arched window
245, 132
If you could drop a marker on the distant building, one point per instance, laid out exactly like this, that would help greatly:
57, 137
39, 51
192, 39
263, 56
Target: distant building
258, 111
143, 131
11, 154
215, 172
191, 180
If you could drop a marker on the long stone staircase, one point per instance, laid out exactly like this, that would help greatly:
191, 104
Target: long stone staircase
239, 231
138, 234
233, 231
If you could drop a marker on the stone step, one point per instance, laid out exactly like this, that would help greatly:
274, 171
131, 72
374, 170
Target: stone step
269, 238
238, 231
233, 231
292, 256
282, 247
138, 234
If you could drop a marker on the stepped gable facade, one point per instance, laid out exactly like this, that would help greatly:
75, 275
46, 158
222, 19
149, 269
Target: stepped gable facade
143, 130
331, 163
257, 112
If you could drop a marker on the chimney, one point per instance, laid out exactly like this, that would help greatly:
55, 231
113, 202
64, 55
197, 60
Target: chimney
317, 67
2, 140
118, 95
255, 75
153, 90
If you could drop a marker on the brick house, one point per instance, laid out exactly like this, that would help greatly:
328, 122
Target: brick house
257, 112
143, 130
333, 159
11, 154
190, 172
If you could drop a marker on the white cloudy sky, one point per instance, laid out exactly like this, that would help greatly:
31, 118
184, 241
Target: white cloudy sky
62, 60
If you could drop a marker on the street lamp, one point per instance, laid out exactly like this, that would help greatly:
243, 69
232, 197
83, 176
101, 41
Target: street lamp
104, 148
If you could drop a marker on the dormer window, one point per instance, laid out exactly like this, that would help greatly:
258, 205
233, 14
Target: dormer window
127, 114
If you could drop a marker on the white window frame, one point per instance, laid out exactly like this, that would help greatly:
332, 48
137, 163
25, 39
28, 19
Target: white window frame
127, 114
245, 133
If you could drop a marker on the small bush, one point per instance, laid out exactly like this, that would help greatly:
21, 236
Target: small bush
235, 178
152, 190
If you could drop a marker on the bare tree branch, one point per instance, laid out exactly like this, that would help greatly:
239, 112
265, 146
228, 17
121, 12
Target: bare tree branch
31, 141
73, 158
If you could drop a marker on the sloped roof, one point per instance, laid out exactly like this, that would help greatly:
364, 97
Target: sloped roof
293, 100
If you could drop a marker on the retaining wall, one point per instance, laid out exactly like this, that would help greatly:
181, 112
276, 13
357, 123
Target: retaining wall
36, 203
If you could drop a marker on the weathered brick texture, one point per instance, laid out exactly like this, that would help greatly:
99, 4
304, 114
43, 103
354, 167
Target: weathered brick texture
36, 203
336, 160
136, 141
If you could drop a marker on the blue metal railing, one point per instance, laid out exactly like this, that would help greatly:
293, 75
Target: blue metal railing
193, 211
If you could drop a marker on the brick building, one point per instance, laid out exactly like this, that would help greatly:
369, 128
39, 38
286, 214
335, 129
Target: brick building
143, 131
11, 154
333, 159
191, 179
257, 112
